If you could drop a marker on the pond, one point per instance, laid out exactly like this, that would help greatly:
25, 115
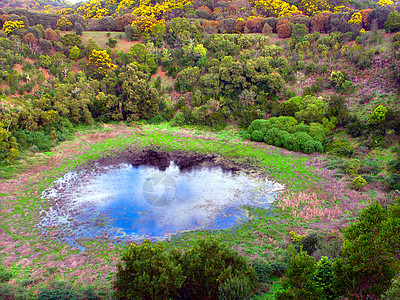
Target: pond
127, 202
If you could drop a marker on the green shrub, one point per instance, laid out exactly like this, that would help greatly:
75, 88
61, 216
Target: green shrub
352, 167
290, 143
148, 271
302, 138
179, 119
4, 275
280, 136
342, 148
40, 140
393, 181
282, 123
302, 128
271, 135
324, 279
346, 87
393, 293
267, 270
235, 288
299, 276
208, 265
59, 291
337, 78
284, 295
359, 182
257, 136
309, 243
312, 146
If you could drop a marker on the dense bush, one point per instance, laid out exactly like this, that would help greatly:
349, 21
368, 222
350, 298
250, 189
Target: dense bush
284, 132
210, 264
4, 275
148, 271
359, 182
267, 270
208, 270
59, 290
235, 288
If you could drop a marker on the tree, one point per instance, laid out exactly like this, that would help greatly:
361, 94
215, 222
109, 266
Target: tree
63, 23
8, 145
320, 22
50, 35
299, 32
106, 24
71, 39
30, 39
148, 271
356, 18
45, 46
186, 79
78, 28
254, 25
371, 249
138, 101
208, 265
10, 26
277, 8
392, 23
74, 53
100, 62
299, 278
284, 28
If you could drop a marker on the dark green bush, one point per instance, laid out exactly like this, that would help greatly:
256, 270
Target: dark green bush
312, 146
235, 288
290, 142
393, 181
209, 269
178, 120
392, 23
267, 270
4, 275
39, 139
59, 291
342, 148
284, 295
147, 271
210, 264
309, 243
257, 136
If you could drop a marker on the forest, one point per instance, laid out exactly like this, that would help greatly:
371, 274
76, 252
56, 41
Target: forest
303, 93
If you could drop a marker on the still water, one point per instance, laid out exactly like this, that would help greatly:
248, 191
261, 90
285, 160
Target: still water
124, 202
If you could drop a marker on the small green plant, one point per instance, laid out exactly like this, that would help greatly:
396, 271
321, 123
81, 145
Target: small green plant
359, 183
59, 290
352, 167
393, 293
296, 238
4, 275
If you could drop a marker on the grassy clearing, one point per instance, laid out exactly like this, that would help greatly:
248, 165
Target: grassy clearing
101, 39
29, 251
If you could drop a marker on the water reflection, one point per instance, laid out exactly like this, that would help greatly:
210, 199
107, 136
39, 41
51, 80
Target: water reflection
126, 202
